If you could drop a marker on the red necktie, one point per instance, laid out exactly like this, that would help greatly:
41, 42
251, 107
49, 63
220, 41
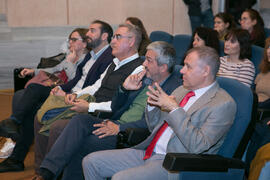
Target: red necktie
152, 145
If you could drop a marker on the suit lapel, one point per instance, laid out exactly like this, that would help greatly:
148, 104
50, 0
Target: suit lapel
204, 99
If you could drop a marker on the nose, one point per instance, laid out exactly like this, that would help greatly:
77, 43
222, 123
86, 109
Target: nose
194, 43
88, 33
182, 71
144, 63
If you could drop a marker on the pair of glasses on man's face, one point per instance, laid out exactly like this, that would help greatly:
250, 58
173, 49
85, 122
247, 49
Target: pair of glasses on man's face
75, 39
119, 36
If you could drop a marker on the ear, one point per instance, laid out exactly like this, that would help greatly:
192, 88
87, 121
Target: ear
104, 36
254, 22
132, 42
163, 68
206, 70
227, 25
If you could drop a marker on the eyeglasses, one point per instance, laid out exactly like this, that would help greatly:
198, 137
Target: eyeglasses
75, 39
119, 36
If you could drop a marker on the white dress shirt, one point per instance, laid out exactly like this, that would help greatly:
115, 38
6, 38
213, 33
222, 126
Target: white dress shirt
162, 143
87, 67
106, 106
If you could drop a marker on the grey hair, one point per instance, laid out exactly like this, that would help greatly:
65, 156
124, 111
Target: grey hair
208, 56
165, 53
136, 31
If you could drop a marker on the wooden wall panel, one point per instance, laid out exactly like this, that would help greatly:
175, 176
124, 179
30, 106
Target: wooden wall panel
37, 13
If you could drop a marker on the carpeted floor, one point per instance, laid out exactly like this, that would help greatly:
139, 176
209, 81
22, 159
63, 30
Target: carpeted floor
5, 111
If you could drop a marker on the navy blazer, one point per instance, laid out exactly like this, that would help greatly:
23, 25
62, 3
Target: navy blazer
122, 100
94, 73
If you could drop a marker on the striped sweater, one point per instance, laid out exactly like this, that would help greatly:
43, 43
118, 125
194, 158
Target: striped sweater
243, 72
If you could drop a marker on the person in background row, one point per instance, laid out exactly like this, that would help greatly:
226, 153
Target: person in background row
253, 23
203, 36
223, 22
145, 39
262, 80
236, 64
200, 13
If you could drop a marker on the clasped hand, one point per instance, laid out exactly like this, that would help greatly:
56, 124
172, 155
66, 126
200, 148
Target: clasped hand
157, 97
79, 105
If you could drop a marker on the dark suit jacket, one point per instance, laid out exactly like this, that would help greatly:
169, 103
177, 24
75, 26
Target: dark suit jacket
125, 99
94, 73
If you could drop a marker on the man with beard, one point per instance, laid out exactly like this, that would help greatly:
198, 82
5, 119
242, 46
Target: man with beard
28, 101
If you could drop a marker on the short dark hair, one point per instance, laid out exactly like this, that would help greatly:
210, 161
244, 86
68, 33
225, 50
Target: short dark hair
105, 28
243, 37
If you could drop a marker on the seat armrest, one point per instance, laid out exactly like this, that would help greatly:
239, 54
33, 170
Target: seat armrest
131, 137
200, 162
19, 82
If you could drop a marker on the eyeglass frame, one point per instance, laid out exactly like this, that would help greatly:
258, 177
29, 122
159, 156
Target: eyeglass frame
74, 39
119, 36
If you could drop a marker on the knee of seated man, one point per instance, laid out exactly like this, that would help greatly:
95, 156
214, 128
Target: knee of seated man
58, 126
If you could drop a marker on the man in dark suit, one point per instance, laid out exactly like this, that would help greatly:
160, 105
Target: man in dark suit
194, 119
85, 134
29, 100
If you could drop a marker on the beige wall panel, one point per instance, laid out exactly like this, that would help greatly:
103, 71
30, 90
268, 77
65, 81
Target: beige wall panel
3, 7
265, 4
82, 12
155, 14
37, 13
181, 19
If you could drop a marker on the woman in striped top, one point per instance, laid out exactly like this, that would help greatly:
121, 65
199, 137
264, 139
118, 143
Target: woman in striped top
236, 63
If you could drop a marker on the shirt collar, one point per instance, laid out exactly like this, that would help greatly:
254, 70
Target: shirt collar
201, 91
119, 63
94, 55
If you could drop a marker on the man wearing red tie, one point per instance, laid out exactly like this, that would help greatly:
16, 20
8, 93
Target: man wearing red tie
194, 119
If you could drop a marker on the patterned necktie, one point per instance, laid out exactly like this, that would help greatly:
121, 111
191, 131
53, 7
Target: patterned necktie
150, 148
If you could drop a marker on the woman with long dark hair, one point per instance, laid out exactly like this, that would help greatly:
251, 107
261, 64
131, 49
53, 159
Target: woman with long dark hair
253, 23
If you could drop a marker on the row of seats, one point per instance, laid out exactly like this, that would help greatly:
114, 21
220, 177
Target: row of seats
181, 43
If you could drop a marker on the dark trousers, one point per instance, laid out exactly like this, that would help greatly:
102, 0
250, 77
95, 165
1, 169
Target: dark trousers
25, 105
205, 20
74, 143
43, 143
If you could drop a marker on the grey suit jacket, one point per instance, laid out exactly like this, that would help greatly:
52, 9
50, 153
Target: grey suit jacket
201, 129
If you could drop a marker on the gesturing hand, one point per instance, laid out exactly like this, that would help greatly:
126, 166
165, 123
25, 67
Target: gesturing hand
157, 97
106, 128
134, 82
